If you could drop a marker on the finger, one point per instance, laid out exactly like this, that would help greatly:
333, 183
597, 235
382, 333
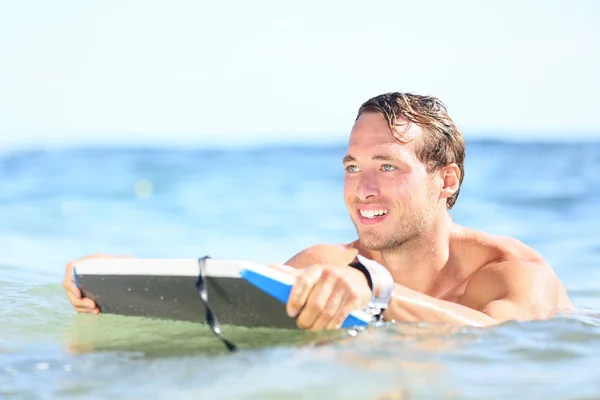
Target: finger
81, 302
71, 287
75, 301
87, 310
69, 280
317, 300
301, 289
350, 304
329, 316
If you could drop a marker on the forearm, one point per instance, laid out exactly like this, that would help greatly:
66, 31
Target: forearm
410, 305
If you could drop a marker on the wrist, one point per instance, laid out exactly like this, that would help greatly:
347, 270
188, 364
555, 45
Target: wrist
380, 282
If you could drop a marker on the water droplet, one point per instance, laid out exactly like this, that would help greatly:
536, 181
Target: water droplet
128, 289
162, 297
68, 368
146, 289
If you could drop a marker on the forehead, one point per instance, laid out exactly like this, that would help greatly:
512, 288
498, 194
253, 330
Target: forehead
371, 134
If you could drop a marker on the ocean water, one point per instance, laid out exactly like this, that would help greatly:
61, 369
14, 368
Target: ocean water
266, 204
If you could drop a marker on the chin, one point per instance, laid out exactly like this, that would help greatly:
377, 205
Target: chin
377, 242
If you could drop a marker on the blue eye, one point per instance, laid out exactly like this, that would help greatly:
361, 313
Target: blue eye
387, 167
352, 168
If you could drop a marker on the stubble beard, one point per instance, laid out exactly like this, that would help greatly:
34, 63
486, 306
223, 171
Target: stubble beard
406, 229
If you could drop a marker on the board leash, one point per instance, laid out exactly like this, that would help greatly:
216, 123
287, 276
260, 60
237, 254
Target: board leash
211, 318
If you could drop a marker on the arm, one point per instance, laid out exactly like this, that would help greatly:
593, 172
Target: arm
496, 293
410, 305
333, 254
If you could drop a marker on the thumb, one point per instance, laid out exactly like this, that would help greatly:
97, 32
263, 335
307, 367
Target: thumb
286, 269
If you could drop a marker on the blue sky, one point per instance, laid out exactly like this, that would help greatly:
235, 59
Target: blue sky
192, 72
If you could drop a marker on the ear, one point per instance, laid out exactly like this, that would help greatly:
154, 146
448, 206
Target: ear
450, 179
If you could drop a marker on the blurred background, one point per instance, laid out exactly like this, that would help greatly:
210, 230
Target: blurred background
219, 128
187, 128
194, 127
228, 73
190, 128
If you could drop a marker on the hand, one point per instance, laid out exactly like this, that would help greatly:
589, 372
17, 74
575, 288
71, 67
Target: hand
324, 295
81, 304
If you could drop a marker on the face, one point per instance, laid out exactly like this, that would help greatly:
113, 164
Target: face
389, 194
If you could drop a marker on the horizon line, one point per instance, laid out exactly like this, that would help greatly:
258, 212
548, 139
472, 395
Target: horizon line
153, 145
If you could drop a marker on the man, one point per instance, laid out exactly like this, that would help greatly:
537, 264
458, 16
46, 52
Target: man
404, 168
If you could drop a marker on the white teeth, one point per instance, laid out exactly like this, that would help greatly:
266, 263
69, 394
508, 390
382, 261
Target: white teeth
367, 214
372, 213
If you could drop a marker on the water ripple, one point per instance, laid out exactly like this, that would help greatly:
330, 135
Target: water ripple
265, 205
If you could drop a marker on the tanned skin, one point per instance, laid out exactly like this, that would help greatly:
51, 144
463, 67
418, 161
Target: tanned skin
443, 272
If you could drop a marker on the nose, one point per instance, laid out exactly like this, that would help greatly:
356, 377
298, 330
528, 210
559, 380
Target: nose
367, 186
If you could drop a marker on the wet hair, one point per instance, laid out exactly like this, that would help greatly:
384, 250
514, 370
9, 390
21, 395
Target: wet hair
442, 142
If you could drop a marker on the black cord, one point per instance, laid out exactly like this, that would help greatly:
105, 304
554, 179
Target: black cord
357, 265
211, 318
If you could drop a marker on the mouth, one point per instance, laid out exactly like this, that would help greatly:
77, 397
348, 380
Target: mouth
372, 215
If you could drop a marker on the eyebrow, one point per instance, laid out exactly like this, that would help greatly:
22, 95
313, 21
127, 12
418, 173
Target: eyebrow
378, 157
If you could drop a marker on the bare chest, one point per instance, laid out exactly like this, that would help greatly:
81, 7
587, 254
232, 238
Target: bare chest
452, 292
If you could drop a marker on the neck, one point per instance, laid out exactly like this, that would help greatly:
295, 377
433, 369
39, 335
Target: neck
418, 262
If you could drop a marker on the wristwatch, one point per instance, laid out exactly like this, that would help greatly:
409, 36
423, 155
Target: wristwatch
380, 281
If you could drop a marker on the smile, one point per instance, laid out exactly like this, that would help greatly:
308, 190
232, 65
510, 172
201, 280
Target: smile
372, 213
371, 216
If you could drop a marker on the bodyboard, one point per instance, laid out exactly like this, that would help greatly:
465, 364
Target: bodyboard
240, 292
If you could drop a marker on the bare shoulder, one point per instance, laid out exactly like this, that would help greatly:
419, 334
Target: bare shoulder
336, 254
485, 248
514, 272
